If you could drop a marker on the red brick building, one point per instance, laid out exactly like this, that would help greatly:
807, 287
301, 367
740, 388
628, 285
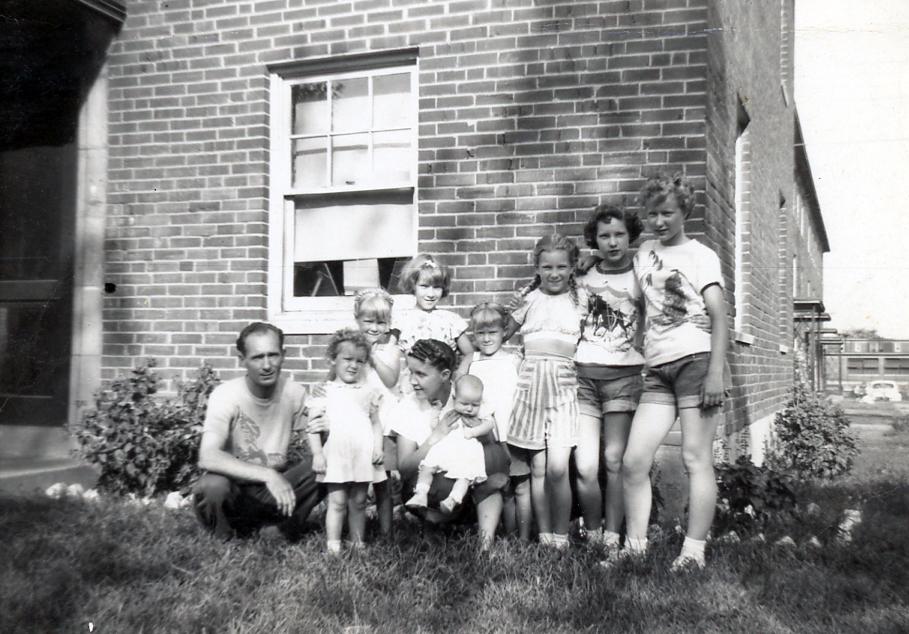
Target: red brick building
242, 160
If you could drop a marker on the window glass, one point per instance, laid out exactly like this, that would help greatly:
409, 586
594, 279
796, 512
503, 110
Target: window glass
350, 105
390, 93
309, 162
310, 108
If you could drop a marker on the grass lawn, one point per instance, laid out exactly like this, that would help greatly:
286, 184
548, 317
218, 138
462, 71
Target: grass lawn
126, 568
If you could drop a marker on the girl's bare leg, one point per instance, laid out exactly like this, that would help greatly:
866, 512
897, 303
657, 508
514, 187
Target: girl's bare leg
334, 515
538, 494
356, 512
651, 423
587, 460
698, 431
616, 428
559, 488
523, 507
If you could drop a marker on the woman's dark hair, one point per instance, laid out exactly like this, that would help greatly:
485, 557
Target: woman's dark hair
434, 352
603, 213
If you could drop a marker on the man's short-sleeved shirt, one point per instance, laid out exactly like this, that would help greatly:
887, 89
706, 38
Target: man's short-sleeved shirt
256, 430
673, 279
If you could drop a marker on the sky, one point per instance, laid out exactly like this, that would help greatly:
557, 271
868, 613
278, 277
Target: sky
852, 93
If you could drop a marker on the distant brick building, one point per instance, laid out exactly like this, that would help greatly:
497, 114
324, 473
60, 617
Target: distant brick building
262, 160
856, 361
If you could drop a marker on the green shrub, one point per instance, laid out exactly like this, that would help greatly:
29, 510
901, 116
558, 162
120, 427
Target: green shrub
750, 497
141, 444
812, 437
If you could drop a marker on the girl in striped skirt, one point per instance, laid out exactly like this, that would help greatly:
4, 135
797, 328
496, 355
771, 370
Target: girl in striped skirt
544, 421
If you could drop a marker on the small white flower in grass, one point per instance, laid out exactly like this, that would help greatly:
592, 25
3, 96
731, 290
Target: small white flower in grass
851, 519
91, 495
814, 542
729, 538
749, 511
75, 491
174, 500
56, 491
785, 542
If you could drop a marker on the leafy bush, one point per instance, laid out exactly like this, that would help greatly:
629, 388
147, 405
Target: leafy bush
141, 444
812, 437
750, 497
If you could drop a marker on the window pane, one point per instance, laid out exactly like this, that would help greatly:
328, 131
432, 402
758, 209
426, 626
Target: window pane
346, 277
391, 101
350, 160
310, 108
354, 227
391, 156
350, 105
309, 162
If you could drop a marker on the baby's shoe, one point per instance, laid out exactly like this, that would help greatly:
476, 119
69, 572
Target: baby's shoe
448, 505
418, 501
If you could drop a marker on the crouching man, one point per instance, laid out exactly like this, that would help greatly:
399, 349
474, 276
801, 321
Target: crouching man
248, 482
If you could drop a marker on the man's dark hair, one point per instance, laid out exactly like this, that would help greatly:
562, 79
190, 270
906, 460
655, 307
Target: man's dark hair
434, 352
258, 328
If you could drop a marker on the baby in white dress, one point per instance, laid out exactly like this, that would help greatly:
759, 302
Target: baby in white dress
459, 455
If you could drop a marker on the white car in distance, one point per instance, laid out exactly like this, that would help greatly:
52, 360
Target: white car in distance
882, 391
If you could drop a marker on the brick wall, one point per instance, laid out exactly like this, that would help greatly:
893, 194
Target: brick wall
531, 113
745, 85
529, 116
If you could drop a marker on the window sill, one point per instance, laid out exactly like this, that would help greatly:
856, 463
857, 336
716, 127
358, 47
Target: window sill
744, 338
326, 321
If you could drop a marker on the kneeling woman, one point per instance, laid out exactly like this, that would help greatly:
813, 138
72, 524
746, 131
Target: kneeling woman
421, 419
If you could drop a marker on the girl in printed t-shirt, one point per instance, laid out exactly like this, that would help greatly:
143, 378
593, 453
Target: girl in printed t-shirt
609, 364
685, 344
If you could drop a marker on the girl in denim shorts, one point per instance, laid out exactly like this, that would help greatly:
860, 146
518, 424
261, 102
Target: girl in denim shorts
685, 341
609, 364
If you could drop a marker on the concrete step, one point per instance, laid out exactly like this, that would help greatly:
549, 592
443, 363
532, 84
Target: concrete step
35, 479
34, 457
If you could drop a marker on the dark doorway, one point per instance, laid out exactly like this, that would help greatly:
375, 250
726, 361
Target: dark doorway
50, 53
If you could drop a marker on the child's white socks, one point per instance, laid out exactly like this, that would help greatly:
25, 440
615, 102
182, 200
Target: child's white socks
692, 555
636, 545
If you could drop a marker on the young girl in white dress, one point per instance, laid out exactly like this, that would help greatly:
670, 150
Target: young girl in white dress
459, 455
351, 458
372, 310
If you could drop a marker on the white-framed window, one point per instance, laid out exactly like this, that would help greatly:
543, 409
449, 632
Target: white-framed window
742, 216
343, 186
